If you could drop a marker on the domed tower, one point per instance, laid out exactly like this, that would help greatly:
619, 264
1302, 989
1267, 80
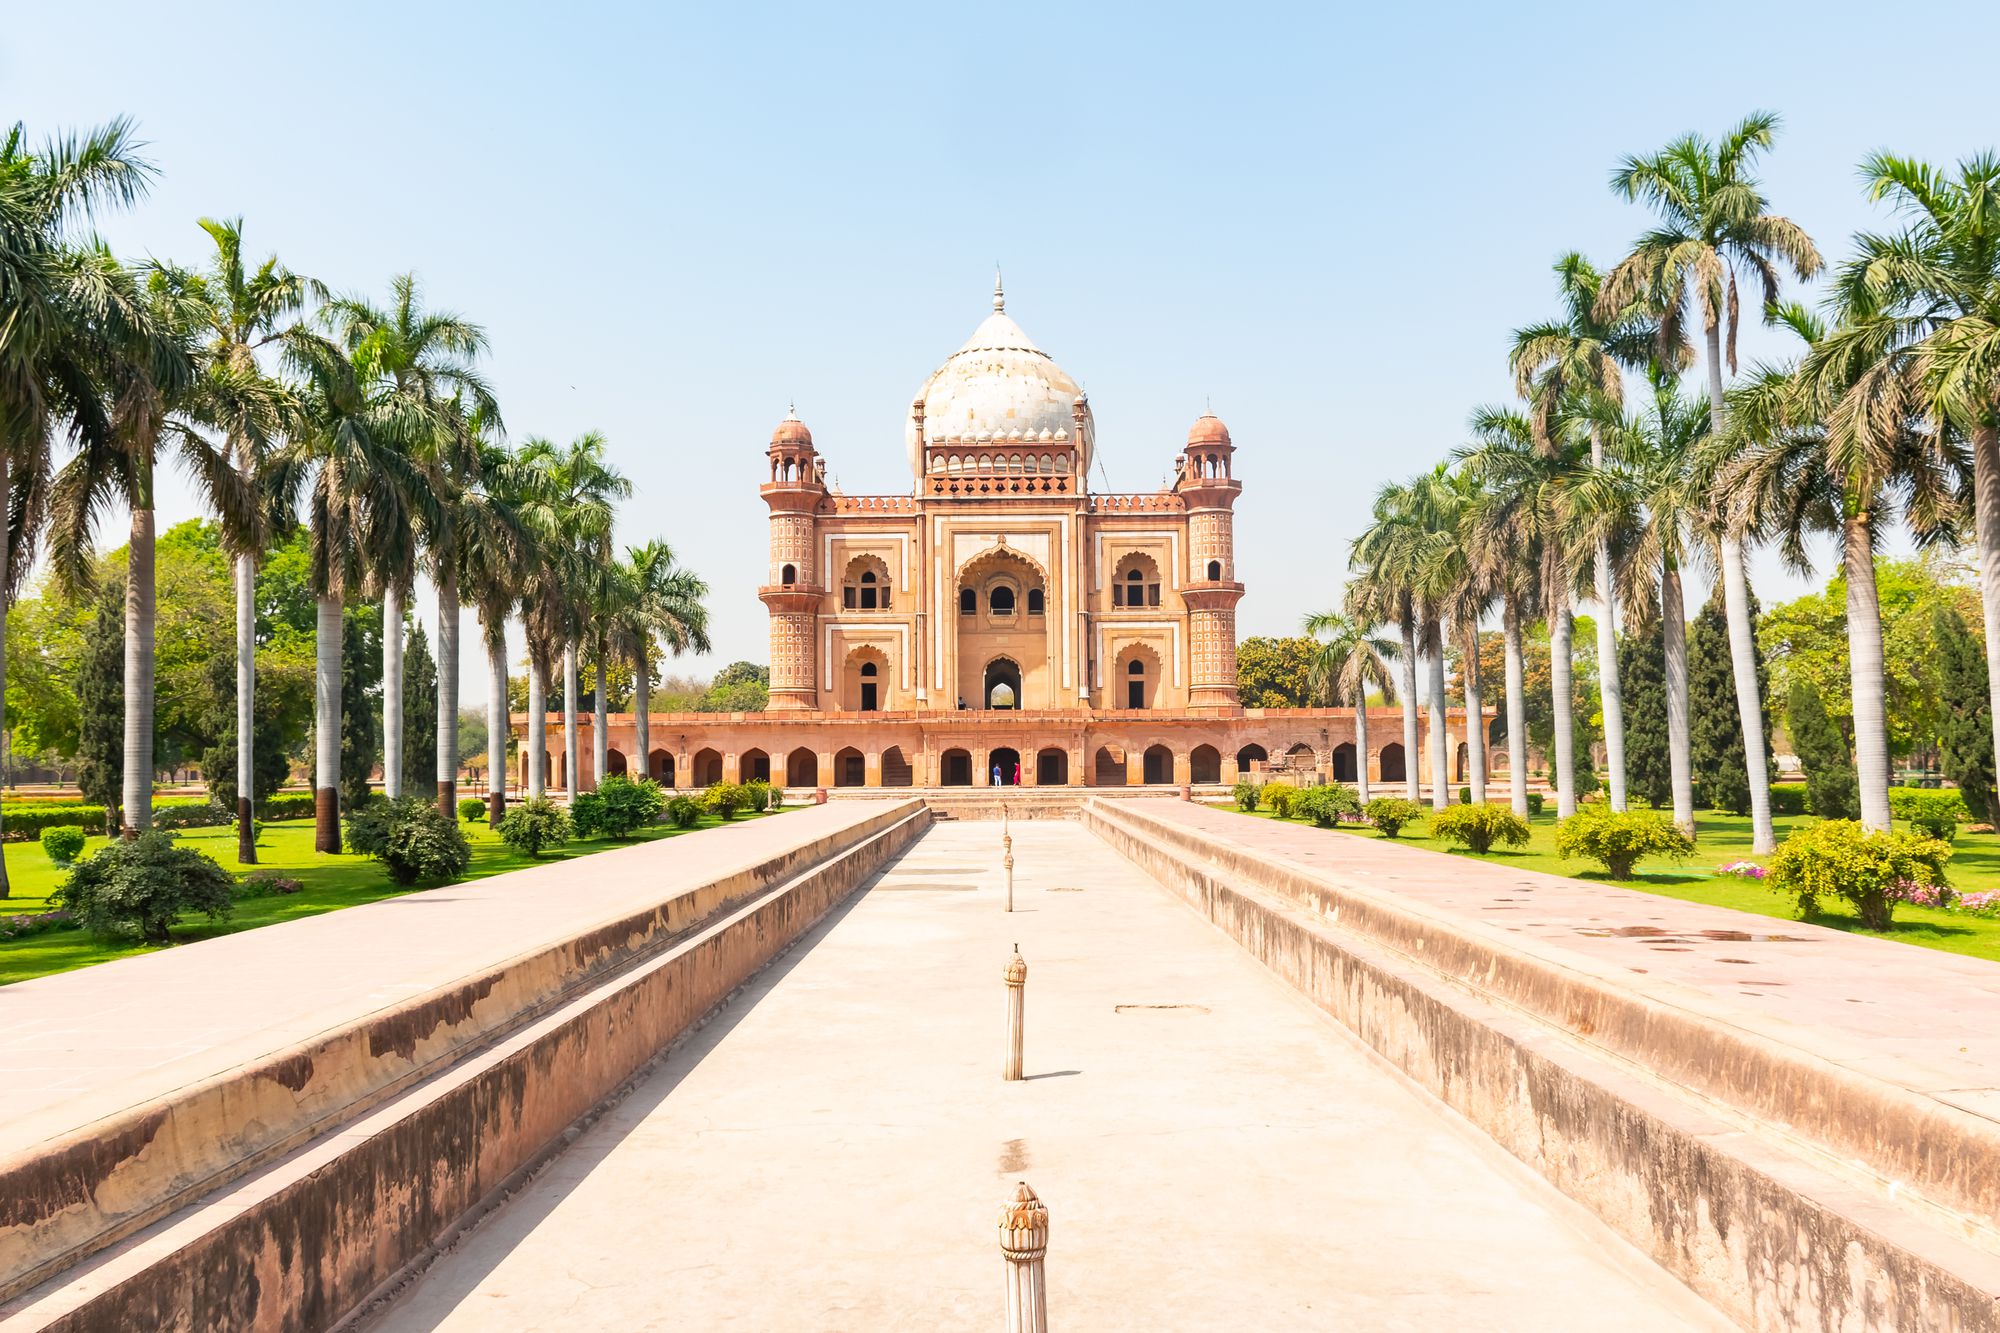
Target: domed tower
1206, 486
999, 417
797, 485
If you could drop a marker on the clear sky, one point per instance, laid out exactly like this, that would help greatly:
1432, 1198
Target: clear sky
675, 220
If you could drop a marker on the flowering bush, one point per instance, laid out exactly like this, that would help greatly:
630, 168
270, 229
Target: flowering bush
264, 884
33, 923
1978, 904
1837, 858
1742, 870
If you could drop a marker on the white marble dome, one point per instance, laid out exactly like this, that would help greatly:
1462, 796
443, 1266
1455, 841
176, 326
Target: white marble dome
999, 386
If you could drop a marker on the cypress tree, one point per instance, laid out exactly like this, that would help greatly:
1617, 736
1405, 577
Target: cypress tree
100, 699
1642, 668
420, 720
1965, 725
1832, 789
1721, 777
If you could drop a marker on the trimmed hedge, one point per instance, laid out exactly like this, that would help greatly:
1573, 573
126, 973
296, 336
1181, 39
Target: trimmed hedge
1789, 798
26, 825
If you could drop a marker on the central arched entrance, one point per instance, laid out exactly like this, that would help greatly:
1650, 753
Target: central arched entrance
955, 769
1003, 684
1008, 763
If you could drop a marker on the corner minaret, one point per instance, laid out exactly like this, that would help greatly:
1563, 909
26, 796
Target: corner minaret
796, 486
1206, 486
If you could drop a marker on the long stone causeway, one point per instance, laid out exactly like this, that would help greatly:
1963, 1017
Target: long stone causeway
753, 1077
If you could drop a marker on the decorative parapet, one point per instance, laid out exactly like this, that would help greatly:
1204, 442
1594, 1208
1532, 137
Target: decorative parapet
868, 504
1152, 502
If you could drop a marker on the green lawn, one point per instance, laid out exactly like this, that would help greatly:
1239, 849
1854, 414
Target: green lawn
1721, 838
331, 882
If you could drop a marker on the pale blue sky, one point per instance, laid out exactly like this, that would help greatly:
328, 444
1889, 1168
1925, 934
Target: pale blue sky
674, 221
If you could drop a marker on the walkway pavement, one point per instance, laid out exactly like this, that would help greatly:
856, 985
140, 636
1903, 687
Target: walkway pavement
85, 1044
831, 1151
1927, 1020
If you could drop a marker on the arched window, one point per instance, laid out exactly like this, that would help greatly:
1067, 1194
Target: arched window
1034, 601
1135, 684
788, 575
1140, 578
868, 590
865, 586
867, 668
968, 602
1215, 571
1001, 600
1135, 668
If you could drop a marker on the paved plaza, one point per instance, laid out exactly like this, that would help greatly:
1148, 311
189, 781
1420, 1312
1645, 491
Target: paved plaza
832, 1150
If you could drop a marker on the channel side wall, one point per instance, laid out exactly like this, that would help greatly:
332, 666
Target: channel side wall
304, 1244
100, 1182
1767, 1235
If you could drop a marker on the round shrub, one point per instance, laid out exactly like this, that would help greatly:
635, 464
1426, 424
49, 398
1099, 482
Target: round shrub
1479, 827
534, 824
411, 837
756, 795
620, 807
724, 799
472, 809
1390, 814
1279, 796
139, 889
63, 843
1465, 796
1535, 802
1326, 805
1620, 840
1836, 858
1244, 794
683, 812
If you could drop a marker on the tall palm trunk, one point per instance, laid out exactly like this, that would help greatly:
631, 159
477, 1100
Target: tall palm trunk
326, 725
139, 622
392, 692
600, 714
246, 708
447, 694
571, 752
642, 703
499, 725
1361, 743
1475, 718
1517, 721
1986, 529
1864, 655
1611, 689
1680, 750
1742, 641
6, 560
1440, 737
1562, 701
538, 728
1412, 751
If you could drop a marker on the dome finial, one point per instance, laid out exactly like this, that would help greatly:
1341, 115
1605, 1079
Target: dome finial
999, 296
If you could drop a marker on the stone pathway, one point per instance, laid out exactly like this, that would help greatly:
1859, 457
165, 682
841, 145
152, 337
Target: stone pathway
832, 1150
1927, 1020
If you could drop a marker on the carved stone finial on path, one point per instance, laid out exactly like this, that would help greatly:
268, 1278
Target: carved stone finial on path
1024, 1243
1017, 988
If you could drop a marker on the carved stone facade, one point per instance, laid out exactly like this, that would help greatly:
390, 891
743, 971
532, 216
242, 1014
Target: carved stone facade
1001, 616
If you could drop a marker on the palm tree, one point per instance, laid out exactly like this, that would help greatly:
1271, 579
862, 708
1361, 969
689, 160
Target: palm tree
1931, 294
428, 360
52, 303
1555, 362
495, 561
1382, 588
243, 313
361, 483
1654, 500
146, 380
1457, 592
570, 511
661, 603
1349, 660
1524, 477
1835, 445
1713, 223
